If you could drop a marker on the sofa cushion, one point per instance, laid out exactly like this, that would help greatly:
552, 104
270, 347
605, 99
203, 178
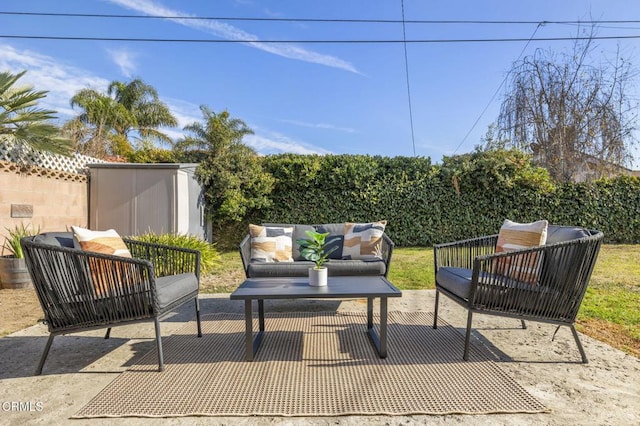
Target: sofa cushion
515, 236
300, 232
58, 239
301, 268
363, 239
559, 234
336, 232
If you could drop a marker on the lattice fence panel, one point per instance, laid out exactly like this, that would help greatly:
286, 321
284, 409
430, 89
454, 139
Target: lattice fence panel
74, 164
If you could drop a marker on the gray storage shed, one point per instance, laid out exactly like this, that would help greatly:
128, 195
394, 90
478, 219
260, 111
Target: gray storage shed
137, 198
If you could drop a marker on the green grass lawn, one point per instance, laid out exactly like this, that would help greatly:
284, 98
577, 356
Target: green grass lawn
610, 311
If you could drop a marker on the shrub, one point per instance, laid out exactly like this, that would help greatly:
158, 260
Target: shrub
209, 256
12, 242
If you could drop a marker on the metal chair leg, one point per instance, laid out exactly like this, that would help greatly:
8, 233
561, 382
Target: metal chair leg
524, 325
198, 317
580, 348
468, 337
108, 333
159, 345
435, 310
44, 355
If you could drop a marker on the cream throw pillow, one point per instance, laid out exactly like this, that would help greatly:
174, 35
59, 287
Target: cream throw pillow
515, 236
105, 280
105, 242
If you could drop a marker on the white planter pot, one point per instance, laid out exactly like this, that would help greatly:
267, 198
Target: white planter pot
318, 277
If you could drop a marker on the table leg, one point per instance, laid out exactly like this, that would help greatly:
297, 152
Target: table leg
261, 313
369, 313
248, 330
379, 341
383, 327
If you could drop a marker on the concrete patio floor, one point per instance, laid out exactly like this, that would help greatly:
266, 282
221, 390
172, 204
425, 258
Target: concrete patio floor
605, 391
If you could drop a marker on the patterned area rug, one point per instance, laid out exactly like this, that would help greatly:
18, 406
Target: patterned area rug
313, 364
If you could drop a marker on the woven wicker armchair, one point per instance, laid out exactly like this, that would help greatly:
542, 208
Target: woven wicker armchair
80, 290
469, 273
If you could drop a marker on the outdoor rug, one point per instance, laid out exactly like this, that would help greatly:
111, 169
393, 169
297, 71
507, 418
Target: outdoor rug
313, 364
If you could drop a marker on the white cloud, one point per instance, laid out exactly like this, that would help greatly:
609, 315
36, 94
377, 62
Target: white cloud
230, 32
124, 58
275, 143
321, 126
185, 112
61, 80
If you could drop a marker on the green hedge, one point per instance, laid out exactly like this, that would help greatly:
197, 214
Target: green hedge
465, 196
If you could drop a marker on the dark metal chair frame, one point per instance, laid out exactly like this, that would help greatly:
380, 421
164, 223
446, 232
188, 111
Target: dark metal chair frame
64, 279
565, 270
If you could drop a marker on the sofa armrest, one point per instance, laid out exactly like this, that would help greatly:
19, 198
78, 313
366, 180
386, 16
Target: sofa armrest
387, 251
461, 254
245, 253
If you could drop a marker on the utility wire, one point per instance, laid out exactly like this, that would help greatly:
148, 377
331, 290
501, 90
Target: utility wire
325, 41
406, 68
383, 21
504, 80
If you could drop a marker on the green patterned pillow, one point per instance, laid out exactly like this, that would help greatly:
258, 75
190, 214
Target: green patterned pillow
271, 244
363, 240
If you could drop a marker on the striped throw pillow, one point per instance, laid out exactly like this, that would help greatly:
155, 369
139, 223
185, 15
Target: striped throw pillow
271, 244
105, 279
105, 242
515, 236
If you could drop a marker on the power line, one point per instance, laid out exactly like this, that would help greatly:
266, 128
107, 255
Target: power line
383, 21
320, 41
504, 80
406, 68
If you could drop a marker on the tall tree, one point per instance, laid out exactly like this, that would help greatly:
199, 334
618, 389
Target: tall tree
106, 120
147, 112
573, 115
22, 123
231, 174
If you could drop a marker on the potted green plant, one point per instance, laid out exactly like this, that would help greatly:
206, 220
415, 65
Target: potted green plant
13, 269
316, 249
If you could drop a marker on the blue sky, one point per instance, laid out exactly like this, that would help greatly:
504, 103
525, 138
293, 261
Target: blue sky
306, 97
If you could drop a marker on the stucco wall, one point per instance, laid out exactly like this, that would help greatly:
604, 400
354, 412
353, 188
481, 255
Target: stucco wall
58, 199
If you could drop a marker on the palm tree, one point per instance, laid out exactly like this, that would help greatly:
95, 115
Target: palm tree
230, 172
146, 111
22, 123
217, 134
103, 126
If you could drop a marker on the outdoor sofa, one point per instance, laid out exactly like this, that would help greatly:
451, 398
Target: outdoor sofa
362, 249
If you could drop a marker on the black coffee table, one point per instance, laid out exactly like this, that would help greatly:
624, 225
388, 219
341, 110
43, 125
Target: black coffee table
368, 287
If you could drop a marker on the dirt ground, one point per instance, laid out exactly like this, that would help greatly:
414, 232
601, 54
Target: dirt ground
20, 308
603, 392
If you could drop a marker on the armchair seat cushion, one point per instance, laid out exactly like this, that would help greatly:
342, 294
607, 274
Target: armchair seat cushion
455, 280
458, 281
175, 287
